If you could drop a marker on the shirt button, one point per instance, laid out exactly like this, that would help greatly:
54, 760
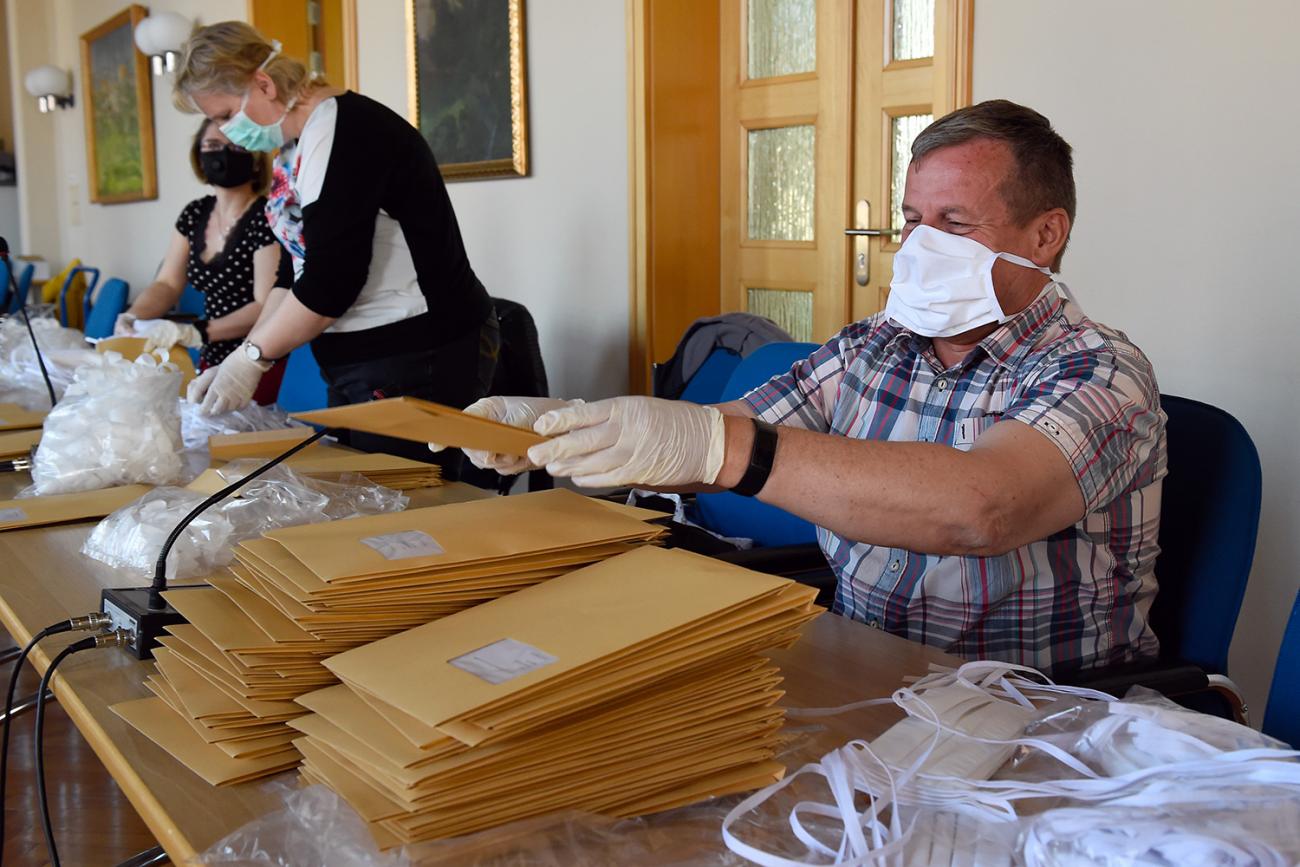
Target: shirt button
873, 623
942, 385
895, 566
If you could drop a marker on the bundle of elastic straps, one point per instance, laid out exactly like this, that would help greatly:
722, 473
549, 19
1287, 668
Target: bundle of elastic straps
1101, 782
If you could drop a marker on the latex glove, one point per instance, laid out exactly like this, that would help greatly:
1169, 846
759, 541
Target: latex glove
517, 412
643, 441
164, 335
229, 385
124, 325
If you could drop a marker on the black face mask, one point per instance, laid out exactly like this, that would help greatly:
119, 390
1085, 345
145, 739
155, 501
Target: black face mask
227, 167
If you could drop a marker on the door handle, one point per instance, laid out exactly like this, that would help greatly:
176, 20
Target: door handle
862, 236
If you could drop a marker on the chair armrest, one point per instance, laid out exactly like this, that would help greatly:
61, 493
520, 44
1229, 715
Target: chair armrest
1164, 677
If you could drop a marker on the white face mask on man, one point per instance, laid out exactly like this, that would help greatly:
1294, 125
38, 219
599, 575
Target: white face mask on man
943, 283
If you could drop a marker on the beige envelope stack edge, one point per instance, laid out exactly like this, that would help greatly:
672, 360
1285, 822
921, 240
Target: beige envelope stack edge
66, 508
14, 417
257, 637
18, 443
631, 686
390, 471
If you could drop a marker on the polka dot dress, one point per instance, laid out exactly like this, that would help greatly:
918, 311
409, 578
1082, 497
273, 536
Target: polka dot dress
226, 280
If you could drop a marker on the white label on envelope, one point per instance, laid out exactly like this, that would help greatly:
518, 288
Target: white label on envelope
7, 515
403, 546
503, 660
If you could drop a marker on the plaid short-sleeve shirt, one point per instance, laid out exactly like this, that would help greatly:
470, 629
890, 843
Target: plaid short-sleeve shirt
1078, 598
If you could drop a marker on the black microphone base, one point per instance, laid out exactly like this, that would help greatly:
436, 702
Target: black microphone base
129, 609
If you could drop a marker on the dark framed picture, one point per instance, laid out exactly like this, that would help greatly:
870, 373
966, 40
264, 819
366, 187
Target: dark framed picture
117, 96
467, 85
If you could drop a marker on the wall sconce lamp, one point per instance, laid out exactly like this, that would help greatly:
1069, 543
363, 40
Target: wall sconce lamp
51, 87
161, 37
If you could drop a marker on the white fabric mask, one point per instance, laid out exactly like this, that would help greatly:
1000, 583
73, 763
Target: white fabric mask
943, 283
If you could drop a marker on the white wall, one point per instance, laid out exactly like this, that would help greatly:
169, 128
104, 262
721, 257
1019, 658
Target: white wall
555, 241
1181, 114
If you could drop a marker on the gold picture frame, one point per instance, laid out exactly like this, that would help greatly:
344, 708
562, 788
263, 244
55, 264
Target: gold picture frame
117, 99
475, 54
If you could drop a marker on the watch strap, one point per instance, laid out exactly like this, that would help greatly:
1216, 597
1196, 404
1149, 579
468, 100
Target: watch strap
760, 460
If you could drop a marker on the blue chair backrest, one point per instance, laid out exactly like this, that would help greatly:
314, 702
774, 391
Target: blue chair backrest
1209, 515
302, 388
707, 384
1282, 717
191, 301
109, 303
732, 515
24, 287
67, 284
7, 298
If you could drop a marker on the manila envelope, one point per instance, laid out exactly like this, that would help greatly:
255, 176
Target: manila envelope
410, 418
160, 724
566, 623
14, 417
258, 444
66, 508
18, 444
463, 533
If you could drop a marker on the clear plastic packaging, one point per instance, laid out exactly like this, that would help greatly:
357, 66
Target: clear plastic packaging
133, 536
64, 350
117, 424
197, 427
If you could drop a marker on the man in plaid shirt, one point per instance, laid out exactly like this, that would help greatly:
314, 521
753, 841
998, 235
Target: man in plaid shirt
984, 472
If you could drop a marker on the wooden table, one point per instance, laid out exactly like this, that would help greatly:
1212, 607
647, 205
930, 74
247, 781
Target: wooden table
44, 579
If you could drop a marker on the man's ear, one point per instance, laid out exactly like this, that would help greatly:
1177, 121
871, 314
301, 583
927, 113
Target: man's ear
1051, 231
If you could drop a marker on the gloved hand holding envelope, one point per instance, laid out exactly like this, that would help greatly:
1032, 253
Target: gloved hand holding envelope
410, 418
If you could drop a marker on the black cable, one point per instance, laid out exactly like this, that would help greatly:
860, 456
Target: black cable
40, 359
159, 584
89, 621
74, 647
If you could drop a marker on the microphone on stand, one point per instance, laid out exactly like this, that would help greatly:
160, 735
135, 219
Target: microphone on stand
22, 308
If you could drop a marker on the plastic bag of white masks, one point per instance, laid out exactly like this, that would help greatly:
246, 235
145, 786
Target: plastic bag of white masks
117, 424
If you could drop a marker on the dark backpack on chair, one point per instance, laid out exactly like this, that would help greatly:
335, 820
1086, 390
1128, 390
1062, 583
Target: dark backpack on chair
519, 372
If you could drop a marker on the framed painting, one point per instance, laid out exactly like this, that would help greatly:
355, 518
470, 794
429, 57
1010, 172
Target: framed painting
467, 85
118, 101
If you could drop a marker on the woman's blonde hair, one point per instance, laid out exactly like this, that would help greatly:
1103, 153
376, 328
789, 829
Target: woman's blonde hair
221, 58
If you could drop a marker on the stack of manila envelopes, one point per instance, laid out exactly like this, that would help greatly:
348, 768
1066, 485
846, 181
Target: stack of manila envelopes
14, 417
257, 637
18, 443
390, 471
631, 686
410, 418
259, 444
66, 508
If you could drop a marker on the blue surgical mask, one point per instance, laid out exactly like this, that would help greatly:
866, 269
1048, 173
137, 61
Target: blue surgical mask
247, 133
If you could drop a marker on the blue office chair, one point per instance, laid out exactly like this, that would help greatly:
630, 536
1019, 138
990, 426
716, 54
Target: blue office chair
1282, 717
10, 302
302, 388
732, 515
103, 308
67, 284
1209, 516
191, 302
707, 385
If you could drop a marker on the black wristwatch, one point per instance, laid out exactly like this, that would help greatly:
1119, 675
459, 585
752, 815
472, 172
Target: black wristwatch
760, 460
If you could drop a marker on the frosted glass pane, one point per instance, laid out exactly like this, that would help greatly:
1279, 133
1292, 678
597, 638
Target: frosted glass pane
913, 29
905, 130
782, 37
792, 309
782, 173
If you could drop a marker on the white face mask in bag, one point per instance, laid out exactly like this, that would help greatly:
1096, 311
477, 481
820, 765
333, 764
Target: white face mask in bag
943, 283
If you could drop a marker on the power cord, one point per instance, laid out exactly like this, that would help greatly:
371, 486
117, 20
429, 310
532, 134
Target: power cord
96, 620
116, 638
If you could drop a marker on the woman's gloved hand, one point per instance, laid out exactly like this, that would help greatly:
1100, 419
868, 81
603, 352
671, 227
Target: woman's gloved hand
520, 412
124, 325
164, 335
228, 386
642, 441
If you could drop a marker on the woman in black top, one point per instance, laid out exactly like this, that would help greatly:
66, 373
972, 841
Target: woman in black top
224, 248
384, 290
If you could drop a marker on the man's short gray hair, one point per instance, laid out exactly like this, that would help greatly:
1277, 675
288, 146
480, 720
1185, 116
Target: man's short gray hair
1043, 177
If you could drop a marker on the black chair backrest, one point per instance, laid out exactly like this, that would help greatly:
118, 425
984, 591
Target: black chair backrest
520, 370
1208, 520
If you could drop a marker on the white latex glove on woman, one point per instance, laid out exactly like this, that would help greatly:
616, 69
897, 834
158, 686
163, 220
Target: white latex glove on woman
517, 412
643, 441
229, 385
164, 335
124, 325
